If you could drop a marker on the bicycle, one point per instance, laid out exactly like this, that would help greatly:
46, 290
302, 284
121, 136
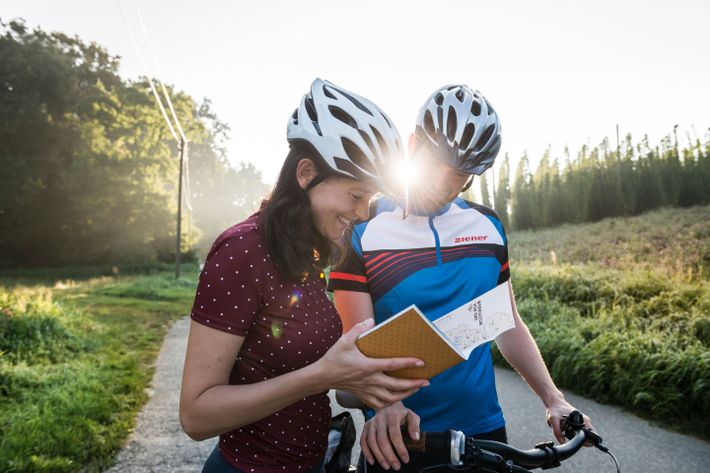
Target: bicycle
467, 454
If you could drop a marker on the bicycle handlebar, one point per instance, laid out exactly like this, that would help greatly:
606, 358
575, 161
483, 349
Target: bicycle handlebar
460, 450
544, 455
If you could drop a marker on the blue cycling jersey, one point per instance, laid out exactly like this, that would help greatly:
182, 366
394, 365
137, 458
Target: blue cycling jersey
438, 261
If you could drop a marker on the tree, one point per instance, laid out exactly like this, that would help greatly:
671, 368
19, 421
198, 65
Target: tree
89, 168
485, 196
501, 198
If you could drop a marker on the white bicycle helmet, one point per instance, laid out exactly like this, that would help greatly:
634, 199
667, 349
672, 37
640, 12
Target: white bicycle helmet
352, 135
462, 126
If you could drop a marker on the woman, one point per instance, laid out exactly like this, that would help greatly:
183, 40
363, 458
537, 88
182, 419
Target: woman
264, 344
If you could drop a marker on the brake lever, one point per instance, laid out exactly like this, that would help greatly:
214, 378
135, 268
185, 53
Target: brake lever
575, 421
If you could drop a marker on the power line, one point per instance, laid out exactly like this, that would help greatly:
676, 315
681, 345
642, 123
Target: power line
150, 81
156, 66
157, 69
182, 140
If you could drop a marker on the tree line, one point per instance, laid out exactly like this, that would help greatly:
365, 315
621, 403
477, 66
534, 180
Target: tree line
601, 182
88, 168
89, 171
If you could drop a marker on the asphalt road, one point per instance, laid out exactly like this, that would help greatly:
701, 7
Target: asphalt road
158, 444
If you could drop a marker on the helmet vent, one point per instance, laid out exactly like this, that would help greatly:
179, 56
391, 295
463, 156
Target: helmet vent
439, 99
342, 115
476, 108
451, 124
429, 124
356, 155
368, 141
328, 93
467, 135
311, 110
356, 102
384, 149
486, 137
460, 95
317, 127
295, 117
490, 109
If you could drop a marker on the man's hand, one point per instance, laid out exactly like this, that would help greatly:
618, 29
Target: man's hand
381, 436
556, 412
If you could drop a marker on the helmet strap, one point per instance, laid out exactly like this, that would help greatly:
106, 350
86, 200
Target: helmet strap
467, 186
315, 181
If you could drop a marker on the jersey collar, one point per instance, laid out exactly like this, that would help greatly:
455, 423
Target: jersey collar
419, 212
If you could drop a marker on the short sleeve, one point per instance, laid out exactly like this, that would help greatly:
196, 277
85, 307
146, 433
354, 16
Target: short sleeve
229, 293
503, 258
350, 274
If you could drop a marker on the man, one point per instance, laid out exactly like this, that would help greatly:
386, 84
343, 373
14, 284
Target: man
446, 252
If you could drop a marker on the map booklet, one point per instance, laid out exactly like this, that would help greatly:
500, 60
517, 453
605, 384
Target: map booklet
447, 341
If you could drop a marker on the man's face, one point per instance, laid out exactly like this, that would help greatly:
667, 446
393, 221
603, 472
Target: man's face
437, 185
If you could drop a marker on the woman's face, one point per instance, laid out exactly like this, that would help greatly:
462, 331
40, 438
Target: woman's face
337, 203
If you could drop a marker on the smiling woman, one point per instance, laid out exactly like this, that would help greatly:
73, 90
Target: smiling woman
337, 203
265, 341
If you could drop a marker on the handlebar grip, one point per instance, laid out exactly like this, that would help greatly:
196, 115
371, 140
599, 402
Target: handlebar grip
537, 457
446, 447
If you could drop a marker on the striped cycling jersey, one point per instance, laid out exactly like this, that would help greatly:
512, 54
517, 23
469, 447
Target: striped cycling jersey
438, 261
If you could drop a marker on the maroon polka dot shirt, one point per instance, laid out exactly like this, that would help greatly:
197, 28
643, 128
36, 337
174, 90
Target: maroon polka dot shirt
286, 326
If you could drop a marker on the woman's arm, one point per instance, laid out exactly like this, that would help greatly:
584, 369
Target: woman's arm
210, 406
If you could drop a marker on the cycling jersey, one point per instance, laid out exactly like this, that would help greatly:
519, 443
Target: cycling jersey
438, 261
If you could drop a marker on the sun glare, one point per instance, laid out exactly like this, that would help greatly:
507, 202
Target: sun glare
407, 173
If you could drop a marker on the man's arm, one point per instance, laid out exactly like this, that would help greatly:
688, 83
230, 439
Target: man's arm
353, 307
381, 437
520, 350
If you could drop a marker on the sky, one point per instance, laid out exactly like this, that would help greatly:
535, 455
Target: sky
557, 72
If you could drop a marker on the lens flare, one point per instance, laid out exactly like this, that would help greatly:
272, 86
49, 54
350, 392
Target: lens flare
276, 330
295, 298
407, 172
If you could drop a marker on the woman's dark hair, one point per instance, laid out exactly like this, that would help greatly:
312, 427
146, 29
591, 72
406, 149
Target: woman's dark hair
289, 229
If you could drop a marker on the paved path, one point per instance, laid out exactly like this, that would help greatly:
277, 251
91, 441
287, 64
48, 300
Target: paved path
158, 444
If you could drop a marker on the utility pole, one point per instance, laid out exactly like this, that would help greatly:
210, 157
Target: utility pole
618, 146
183, 154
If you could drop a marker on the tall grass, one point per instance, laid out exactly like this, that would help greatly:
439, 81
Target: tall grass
673, 241
621, 310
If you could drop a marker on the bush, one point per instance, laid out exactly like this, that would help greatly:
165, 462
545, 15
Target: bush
31, 328
637, 340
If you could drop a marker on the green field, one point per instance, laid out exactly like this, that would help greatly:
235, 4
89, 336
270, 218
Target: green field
75, 359
621, 311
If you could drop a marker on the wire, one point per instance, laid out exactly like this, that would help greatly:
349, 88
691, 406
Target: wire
150, 81
157, 69
186, 174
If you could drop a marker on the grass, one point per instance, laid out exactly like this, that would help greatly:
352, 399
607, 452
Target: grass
621, 311
75, 359
675, 241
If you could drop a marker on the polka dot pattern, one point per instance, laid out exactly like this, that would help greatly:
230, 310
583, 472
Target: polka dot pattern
287, 325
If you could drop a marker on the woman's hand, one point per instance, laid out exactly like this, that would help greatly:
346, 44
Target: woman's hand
556, 412
382, 436
345, 367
